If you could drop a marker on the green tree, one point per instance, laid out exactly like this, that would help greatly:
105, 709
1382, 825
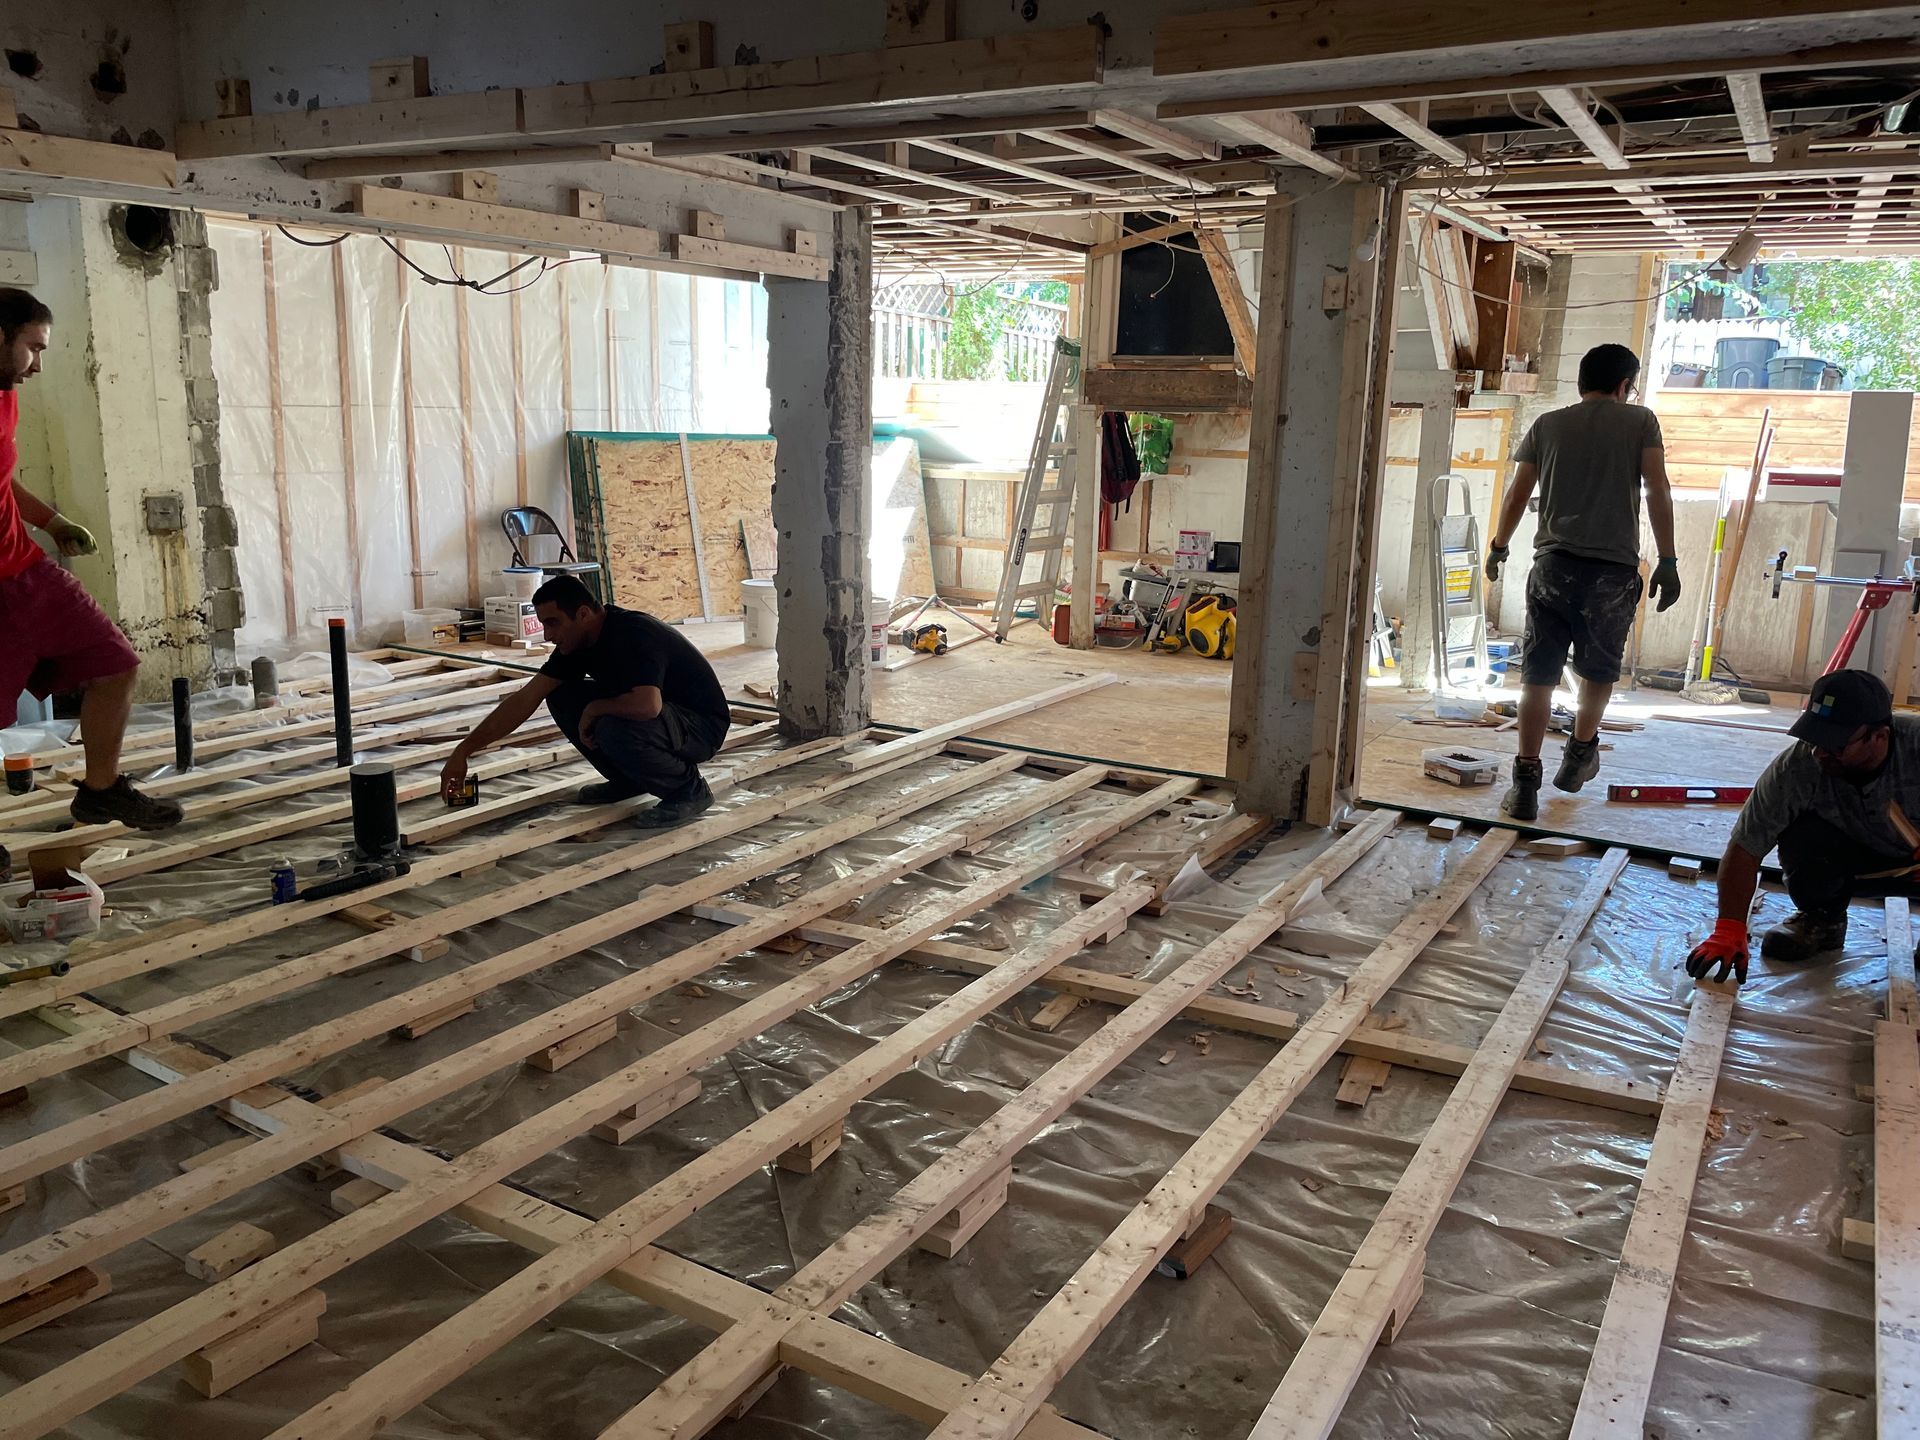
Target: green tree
978, 316
1863, 314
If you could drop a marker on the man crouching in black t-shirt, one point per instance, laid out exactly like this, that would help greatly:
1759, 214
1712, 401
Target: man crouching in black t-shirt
632, 693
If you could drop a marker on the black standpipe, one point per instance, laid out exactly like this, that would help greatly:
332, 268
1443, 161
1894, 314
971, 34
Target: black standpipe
182, 726
376, 810
342, 697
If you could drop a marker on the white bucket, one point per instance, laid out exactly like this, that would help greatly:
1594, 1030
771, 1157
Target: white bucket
879, 613
760, 602
521, 583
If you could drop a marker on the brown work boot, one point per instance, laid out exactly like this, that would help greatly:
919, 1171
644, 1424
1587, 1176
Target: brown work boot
1578, 764
1522, 800
1805, 935
121, 802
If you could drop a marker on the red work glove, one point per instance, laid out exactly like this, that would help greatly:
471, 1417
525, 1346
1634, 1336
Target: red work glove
1725, 947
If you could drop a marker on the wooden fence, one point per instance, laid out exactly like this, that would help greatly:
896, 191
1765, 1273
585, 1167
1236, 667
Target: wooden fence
1710, 430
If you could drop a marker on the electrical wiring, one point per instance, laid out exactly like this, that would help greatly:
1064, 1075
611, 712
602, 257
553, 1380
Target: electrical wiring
483, 287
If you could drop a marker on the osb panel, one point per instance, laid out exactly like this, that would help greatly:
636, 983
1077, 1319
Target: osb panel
646, 547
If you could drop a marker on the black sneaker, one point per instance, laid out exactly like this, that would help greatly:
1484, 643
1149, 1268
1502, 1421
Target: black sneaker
1522, 800
606, 792
1578, 764
121, 802
680, 808
1805, 935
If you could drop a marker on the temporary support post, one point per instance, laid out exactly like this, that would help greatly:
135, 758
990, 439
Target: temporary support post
1308, 454
342, 694
822, 422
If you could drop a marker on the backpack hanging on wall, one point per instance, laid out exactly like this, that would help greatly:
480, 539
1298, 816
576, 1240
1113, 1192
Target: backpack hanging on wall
1119, 464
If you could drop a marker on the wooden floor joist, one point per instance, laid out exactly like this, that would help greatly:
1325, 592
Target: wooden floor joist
252, 924
1388, 1265
706, 1388
1026, 1372
55, 1397
967, 725
1613, 1401
1896, 1189
434, 998
419, 1369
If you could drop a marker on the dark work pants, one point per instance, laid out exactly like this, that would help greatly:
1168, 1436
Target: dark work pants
659, 757
1825, 867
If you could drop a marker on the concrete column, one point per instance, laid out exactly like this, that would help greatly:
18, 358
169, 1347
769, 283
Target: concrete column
820, 379
119, 417
1306, 498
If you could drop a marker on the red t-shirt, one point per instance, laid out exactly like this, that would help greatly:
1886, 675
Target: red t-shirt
17, 547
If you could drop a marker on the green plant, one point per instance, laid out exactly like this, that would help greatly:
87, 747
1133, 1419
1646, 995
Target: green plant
1862, 314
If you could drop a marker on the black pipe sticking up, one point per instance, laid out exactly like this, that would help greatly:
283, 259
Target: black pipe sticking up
266, 683
376, 810
342, 696
182, 726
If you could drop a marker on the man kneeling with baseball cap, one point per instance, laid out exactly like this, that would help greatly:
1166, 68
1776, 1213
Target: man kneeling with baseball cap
1838, 805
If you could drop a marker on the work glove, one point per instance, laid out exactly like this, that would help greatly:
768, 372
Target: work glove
1666, 583
1725, 947
71, 538
1496, 557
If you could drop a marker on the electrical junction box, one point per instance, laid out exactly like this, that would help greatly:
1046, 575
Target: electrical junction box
165, 514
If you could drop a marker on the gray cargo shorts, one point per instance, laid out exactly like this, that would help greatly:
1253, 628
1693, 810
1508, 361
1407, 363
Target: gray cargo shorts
1586, 606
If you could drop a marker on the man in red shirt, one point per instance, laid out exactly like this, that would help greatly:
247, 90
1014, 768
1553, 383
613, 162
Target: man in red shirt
57, 639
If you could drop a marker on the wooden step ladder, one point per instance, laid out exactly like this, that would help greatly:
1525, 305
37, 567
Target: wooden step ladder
1034, 549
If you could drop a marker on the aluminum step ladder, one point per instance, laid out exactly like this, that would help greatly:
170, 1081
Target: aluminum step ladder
1459, 603
1043, 513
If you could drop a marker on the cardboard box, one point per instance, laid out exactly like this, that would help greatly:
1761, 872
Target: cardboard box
511, 621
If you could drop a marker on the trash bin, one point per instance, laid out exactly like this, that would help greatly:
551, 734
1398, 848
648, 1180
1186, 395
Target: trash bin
1796, 372
1742, 363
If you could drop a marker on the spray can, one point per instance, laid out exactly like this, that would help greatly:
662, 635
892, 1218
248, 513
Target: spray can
19, 774
286, 885
466, 795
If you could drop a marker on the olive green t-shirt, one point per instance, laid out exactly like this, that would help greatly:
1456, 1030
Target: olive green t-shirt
1588, 456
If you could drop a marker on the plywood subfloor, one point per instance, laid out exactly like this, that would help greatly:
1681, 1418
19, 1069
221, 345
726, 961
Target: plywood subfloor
1670, 751
1170, 712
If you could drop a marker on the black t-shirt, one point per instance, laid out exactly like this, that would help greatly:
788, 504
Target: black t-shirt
634, 649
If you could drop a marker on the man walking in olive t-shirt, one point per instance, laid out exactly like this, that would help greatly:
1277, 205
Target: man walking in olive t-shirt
1590, 462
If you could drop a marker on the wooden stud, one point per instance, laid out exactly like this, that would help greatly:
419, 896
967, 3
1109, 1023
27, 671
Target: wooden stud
277, 416
482, 187
1443, 827
343, 356
234, 96
12, 1198
749, 259
689, 46
404, 78
1903, 1004
709, 225
469, 469
356, 1194
216, 1154
427, 1024
952, 730
810, 1154
467, 220
563, 1053
50, 1301
1619, 1379
1190, 1252
1684, 867
517, 378
411, 446
949, 1235
1359, 1078
1400, 1309
1050, 1016
1555, 847
1896, 1224
217, 1368
230, 1252
1233, 299
589, 205
649, 1112
1856, 1239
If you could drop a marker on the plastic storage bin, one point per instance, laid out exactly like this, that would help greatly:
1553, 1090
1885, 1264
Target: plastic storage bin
58, 915
431, 627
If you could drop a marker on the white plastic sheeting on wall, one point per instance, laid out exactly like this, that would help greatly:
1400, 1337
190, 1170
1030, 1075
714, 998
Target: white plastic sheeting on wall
460, 401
